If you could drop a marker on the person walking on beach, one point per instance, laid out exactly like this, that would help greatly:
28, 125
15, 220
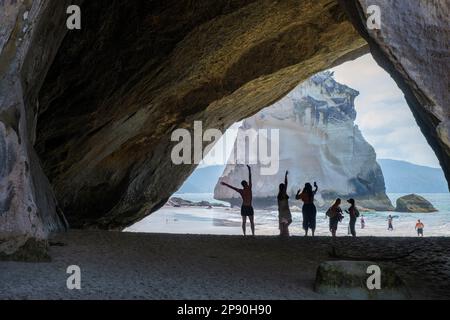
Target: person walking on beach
363, 222
335, 215
309, 210
246, 194
419, 228
284, 213
390, 226
354, 214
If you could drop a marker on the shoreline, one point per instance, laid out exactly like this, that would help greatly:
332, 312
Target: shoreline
123, 265
202, 220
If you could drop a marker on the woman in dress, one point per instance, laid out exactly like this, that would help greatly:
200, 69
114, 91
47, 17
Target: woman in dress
284, 213
309, 209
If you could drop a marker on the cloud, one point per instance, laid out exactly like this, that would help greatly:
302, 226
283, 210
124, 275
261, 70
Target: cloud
384, 117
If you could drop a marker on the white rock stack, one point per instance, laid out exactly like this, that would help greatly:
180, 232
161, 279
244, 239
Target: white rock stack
318, 141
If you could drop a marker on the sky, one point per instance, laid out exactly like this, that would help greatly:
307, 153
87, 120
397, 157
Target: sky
383, 116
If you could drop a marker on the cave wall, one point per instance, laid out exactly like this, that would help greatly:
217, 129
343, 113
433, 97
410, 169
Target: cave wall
28, 43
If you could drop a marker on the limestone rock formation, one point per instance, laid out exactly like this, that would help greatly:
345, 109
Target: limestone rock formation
318, 141
414, 203
349, 279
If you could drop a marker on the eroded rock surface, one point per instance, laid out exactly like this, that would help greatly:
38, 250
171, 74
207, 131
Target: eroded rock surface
28, 210
317, 140
117, 90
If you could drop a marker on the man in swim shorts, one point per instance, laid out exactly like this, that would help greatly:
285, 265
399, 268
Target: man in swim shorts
419, 228
246, 194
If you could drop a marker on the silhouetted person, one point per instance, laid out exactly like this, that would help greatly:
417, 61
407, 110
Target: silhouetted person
390, 226
284, 213
363, 222
353, 213
419, 228
335, 215
309, 209
246, 208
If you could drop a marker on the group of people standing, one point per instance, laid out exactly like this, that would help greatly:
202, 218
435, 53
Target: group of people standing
309, 211
336, 215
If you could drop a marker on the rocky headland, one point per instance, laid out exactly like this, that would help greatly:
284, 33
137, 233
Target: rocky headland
318, 141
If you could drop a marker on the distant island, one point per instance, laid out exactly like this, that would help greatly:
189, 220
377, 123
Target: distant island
399, 177
406, 177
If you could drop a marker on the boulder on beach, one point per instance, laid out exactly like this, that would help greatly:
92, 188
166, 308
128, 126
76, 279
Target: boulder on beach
179, 202
350, 279
414, 203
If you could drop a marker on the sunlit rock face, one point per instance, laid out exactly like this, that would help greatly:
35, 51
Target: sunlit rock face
318, 141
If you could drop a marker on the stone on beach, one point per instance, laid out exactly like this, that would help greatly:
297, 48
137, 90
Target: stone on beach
348, 279
414, 203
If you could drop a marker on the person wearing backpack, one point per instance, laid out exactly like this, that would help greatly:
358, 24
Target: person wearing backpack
335, 215
353, 213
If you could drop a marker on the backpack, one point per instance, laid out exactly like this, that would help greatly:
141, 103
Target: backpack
328, 213
356, 213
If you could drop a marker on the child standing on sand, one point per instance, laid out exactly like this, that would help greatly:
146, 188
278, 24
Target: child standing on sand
390, 226
246, 208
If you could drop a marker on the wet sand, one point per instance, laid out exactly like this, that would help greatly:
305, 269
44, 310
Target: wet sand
119, 265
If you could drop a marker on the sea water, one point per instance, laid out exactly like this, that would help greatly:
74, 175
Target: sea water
199, 220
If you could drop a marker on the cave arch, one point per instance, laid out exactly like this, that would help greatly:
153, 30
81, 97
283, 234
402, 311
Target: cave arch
98, 104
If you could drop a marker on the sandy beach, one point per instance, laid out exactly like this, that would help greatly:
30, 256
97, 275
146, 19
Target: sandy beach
120, 265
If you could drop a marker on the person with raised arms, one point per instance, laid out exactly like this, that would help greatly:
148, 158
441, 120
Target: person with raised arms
246, 208
284, 212
309, 210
